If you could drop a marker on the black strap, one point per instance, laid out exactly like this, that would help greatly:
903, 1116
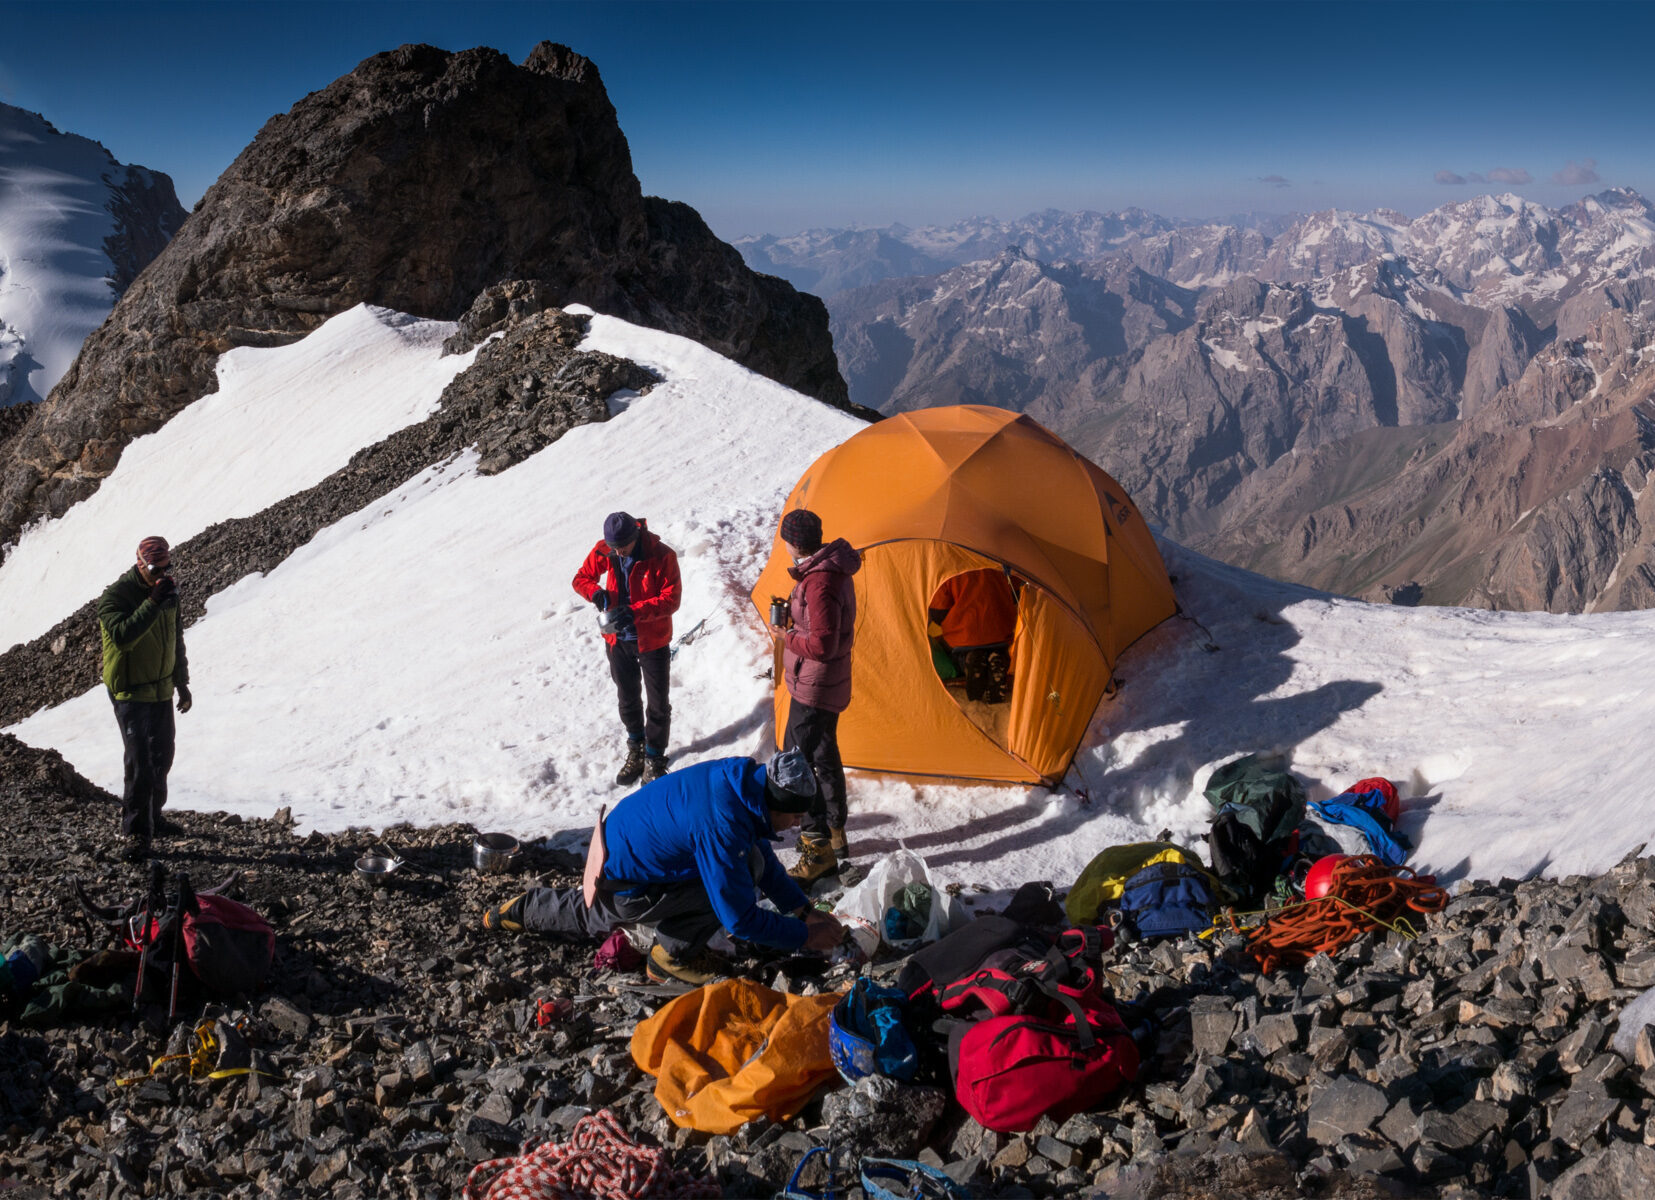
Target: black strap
1084, 1034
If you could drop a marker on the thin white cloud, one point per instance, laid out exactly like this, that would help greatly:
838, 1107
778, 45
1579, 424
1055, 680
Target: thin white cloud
1577, 174
1450, 178
1276, 181
1509, 175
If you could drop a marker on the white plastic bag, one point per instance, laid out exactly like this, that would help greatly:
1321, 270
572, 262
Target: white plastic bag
862, 909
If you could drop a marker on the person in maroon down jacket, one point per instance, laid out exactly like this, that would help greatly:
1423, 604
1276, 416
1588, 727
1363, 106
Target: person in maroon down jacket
816, 650
631, 576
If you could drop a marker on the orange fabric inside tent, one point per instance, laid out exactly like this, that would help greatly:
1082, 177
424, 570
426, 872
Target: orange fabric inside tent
938, 492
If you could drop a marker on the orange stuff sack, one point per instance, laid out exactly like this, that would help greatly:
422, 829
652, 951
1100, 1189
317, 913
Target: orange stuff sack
732, 1052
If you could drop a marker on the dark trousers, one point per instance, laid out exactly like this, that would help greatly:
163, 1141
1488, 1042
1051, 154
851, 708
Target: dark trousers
681, 912
147, 736
637, 676
815, 732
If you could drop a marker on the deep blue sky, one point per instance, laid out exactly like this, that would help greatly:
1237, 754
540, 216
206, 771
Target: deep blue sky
774, 117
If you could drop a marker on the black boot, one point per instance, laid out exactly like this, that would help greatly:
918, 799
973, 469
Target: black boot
655, 766
632, 769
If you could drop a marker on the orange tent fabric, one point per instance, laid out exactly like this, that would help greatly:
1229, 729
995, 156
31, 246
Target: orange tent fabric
939, 492
731, 1052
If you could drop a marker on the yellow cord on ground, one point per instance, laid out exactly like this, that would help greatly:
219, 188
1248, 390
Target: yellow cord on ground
201, 1060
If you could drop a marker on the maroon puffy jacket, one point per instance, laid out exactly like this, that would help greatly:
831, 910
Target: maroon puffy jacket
652, 585
816, 649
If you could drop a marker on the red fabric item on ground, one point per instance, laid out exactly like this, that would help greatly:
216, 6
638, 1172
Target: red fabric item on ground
617, 954
598, 1161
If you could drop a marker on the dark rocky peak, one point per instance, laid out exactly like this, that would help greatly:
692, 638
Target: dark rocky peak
1248, 299
414, 182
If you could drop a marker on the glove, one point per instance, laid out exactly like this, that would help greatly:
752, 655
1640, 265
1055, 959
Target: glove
162, 589
621, 618
601, 599
184, 698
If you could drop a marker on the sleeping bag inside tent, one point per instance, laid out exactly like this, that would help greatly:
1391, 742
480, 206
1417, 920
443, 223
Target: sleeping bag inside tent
942, 493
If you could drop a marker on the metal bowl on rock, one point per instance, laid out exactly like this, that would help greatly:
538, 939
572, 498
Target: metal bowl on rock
376, 866
493, 853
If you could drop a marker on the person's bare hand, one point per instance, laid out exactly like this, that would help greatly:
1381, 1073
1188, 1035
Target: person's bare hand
823, 931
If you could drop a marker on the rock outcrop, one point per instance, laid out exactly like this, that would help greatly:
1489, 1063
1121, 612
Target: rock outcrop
415, 182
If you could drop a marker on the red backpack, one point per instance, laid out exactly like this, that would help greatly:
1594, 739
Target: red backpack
227, 946
1061, 1058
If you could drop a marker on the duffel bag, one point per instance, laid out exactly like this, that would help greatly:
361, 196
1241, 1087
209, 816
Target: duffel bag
1010, 1071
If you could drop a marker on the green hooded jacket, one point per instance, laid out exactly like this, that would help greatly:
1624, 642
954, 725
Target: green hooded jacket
143, 642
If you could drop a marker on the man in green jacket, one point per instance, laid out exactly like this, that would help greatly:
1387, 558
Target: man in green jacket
143, 665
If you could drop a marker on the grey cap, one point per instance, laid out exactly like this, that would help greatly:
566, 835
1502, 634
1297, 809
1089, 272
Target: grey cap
791, 781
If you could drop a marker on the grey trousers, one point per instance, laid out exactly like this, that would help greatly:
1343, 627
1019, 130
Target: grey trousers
681, 912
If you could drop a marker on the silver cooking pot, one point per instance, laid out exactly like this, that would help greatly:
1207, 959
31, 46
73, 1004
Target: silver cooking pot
493, 853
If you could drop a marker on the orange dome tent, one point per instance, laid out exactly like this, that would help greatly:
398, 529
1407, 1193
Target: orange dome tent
931, 494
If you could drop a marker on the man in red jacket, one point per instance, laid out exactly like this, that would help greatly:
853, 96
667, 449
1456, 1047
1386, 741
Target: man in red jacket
816, 648
632, 578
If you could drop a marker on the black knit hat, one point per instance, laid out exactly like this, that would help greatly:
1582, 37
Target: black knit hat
802, 528
790, 781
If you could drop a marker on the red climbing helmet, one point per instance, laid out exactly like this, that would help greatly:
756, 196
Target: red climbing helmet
1320, 877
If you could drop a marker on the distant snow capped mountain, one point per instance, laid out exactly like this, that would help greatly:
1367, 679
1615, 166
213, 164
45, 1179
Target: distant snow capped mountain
75, 228
827, 261
1302, 402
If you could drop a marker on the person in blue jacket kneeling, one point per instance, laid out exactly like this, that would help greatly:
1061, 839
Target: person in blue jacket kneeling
690, 854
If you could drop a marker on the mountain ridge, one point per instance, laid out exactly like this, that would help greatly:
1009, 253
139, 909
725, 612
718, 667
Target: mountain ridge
403, 184
76, 228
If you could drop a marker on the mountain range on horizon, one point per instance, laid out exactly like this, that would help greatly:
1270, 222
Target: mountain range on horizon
1193, 253
1447, 409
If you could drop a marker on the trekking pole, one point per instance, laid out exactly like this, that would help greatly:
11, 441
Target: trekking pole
157, 894
185, 897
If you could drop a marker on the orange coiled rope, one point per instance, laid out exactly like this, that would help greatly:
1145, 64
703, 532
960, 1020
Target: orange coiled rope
1363, 894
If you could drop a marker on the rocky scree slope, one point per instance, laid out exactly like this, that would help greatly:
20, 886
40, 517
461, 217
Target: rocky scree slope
524, 391
399, 1045
415, 182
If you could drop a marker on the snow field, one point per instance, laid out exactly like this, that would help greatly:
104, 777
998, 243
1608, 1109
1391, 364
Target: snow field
281, 421
426, 660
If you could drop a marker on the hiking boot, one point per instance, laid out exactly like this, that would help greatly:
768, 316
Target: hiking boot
655, 766
632, 769
697, 970
816, 859
135, 849
507, 916
836, 839
166, 828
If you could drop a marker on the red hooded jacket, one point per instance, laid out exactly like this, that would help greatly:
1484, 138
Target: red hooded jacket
652, 586
816, 649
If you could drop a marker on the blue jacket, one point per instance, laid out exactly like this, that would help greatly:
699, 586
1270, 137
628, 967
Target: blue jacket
701, 824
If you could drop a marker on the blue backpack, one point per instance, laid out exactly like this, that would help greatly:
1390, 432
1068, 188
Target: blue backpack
1167, 899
